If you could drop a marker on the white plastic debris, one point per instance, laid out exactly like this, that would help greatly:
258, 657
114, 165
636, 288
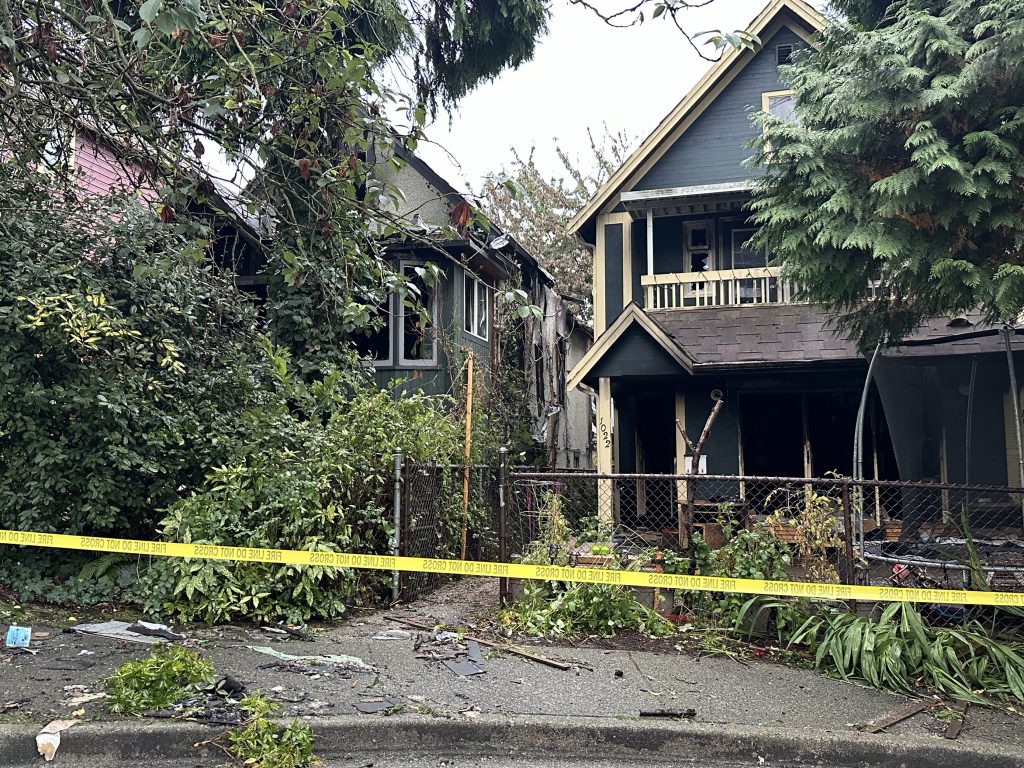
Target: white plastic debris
48, 739
349, 662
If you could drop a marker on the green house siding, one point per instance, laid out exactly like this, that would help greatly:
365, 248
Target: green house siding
436, 378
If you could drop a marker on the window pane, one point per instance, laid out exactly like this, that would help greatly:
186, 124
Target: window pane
482, 315
783, 107
745, 256
418, 328
468, 304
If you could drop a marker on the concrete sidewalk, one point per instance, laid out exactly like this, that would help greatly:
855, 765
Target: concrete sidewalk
800, 711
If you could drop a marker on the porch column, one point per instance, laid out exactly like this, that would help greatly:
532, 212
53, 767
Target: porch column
650, 241
605, 445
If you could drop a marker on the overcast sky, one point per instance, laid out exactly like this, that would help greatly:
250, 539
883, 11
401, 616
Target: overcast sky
584, 74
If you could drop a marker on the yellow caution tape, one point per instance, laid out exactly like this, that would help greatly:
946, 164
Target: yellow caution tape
510, 570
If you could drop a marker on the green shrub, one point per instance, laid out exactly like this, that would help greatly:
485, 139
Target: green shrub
125, 362
164, 677
312, 473
567, 610
262, 743
900, 651
753, 554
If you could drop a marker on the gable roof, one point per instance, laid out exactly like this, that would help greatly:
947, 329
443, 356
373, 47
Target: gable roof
632, 316
804, 20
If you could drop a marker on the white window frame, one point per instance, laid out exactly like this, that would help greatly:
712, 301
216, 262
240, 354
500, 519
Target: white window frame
688, 251
400, 335
472, 325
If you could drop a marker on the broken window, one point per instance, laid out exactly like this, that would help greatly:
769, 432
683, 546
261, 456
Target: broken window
373, 341
418, 318
476, 307
699, 246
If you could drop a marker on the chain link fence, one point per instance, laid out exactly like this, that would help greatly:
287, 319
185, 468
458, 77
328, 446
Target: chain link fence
431, 518
836, 530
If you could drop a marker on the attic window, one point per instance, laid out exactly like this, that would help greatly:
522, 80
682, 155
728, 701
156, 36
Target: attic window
784, 53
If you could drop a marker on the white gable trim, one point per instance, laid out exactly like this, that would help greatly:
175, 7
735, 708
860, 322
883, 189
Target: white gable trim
693, 105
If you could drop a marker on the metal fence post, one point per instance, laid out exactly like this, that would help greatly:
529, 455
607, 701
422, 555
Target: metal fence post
503, 585
396, 536
846, 571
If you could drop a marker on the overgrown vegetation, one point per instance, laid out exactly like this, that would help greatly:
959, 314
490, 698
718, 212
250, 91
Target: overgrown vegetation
895, 195
262, 743
900, 652
164, 677
316, 482
563, 609
746, 554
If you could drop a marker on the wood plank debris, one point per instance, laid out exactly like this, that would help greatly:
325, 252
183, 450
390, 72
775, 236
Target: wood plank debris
688, 712
896, 717
498, 646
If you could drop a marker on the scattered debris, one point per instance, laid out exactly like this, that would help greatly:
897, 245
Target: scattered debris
896, 717
473, 650
121, 630
346, 662
393, 634
678, 713
230, 687
472, 712
280, 694
957, 725
77, 695
373, 706
12, 705
18, 637
619, 673
463, 668
150, 629
498, 646
48, 739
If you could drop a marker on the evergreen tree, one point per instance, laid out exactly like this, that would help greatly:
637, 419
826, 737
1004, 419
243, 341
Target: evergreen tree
897, 193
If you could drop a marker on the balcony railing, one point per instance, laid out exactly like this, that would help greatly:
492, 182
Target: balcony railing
721, 288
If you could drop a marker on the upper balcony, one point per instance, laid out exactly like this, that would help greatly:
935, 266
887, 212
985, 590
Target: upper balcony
698, 249
715, 288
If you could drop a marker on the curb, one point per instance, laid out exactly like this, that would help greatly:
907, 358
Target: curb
106, 743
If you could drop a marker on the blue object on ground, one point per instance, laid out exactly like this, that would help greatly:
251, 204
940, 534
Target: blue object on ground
18, 637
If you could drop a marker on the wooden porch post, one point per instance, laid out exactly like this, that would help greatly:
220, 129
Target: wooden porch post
605, 444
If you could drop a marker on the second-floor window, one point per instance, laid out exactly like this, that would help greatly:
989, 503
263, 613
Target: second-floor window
476, 307
698, 246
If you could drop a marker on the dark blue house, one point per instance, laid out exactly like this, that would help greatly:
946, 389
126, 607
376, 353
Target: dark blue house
685, 307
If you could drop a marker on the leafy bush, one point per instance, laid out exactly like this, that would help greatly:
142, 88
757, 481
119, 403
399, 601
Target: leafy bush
567, 610
900, 651
753, 554
570, 609
158, 681
262, 743
125, 362
311, 472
